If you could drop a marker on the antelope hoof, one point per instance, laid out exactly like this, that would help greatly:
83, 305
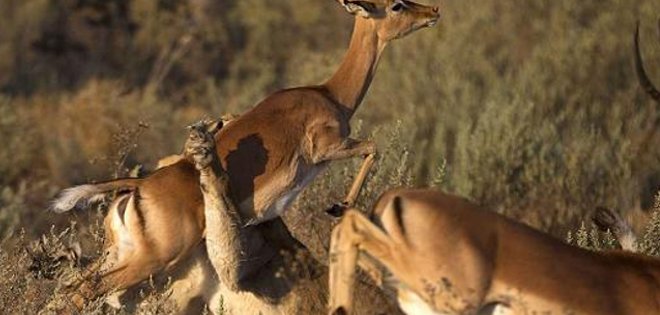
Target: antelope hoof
337, 210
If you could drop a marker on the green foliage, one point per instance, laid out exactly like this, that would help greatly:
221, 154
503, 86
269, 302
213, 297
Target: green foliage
590, 238
11, 204
532, 110
649, 242
18, 139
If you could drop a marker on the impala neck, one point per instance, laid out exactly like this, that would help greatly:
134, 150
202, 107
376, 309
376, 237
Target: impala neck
351, 81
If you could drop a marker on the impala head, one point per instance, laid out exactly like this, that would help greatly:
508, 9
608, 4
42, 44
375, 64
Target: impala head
393, 19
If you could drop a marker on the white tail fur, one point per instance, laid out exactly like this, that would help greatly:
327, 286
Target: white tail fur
76, 196
83, 195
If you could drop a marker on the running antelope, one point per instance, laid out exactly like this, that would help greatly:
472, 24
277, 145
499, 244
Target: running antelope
253, 269
239, 269
270, 153
448, 256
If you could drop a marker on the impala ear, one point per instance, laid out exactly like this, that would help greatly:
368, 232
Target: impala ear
214, 126
362, 8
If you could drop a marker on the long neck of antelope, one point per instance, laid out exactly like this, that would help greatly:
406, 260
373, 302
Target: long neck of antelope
350, 83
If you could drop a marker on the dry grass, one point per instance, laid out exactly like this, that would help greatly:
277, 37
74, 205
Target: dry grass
530, 108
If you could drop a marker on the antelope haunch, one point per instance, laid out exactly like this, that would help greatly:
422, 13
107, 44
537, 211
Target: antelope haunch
449, 256
270, 153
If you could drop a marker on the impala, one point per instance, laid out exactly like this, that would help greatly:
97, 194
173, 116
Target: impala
252, 263
243, 269
449, 256
270, 153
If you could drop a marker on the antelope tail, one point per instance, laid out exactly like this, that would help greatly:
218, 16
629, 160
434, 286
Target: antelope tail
644, 80
79, 196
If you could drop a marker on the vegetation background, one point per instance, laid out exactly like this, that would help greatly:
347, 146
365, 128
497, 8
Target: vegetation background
529, 107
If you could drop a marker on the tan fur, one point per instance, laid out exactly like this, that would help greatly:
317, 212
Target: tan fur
243, 258
168, 160
250, 269
270, 153
174, 158
459, 258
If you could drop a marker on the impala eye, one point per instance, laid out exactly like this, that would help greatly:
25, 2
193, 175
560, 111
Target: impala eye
397, 7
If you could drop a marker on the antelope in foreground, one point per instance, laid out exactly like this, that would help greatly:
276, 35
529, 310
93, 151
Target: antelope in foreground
448, 256
270, 153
